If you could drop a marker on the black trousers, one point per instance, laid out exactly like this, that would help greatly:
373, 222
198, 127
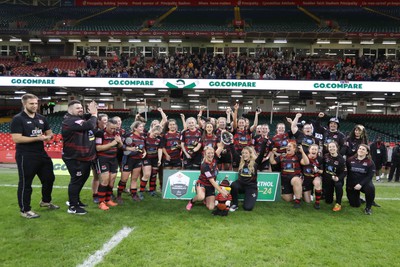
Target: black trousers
250, 194
395, 167
28, 168
354, 195
79, 172
329, 186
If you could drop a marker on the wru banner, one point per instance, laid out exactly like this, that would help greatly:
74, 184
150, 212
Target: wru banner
181, 184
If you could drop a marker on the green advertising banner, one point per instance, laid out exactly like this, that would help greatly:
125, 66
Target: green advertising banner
180, 184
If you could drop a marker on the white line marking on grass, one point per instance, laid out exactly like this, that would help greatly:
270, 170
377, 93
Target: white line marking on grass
98, 256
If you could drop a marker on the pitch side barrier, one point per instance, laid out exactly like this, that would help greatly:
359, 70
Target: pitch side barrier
181, 184
189, 84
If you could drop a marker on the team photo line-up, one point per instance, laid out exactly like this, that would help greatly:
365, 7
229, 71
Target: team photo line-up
313, 158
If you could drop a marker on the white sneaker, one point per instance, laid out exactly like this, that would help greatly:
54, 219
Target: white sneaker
233, 208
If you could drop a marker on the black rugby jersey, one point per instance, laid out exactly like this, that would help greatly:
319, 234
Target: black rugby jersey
30, 127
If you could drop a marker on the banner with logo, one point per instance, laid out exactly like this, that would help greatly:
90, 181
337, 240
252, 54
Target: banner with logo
181, 184
190, 84
59, 167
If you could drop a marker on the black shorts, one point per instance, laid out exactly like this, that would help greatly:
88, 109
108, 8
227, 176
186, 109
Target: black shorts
286, 185
151, 162
388, 164
192, 163
225, 158
107, 165
210, 190
173, 163
264, 165
308, 183
132, 164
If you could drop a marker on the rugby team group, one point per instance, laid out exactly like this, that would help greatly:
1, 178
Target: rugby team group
316, 161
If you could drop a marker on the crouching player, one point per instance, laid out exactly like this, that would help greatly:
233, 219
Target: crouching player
107, 144
206, 184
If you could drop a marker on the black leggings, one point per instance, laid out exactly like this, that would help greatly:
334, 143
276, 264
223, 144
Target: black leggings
354, 195
250, 194
329, 186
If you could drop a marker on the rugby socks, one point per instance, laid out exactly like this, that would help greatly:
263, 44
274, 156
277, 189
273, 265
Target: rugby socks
318, 194
153, 182
121, 188
109, 193
133, 191
297, 201
102, 194
143, 184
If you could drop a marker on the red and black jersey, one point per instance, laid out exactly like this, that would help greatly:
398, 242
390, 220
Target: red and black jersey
305, 140
121, 132
258, 141
171, 142
78, 138
209, 140
281, 141
208, 171
191, 139
103, 138
241, 139
133, 140
152, 146
309, 170
218, 132
290, 164
359, 171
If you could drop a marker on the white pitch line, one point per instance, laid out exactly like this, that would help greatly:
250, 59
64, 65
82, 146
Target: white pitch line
98, 256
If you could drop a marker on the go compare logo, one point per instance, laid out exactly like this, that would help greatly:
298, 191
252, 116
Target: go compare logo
338, 85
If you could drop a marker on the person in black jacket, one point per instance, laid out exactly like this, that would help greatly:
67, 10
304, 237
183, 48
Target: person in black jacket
379, 156
79, 150
395, 167
334, 167
360, 170
356, 137
247, 176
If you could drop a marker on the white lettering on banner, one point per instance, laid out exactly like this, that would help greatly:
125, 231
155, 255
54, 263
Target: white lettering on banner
130, 82
190, 84
234, 84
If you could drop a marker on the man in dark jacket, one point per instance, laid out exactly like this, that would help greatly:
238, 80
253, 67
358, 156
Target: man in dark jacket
379, 156
79, 150
395, 164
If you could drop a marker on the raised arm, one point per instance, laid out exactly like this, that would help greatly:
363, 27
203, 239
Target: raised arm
255, 123
164, 117
235, 115
293, 124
